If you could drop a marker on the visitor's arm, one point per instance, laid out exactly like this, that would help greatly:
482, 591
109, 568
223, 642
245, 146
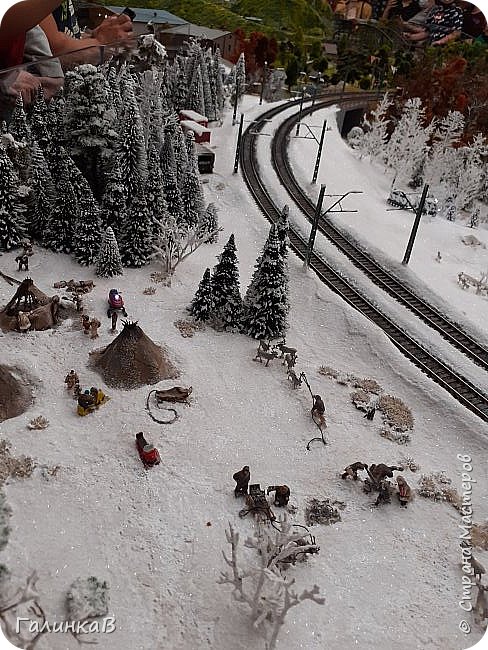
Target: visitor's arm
24, 16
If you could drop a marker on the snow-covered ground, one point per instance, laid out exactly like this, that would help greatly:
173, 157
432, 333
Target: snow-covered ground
389, 576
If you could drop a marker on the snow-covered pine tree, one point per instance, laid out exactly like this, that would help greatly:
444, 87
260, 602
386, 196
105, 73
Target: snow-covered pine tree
114, 199
132, 152
87, 231
225, 288
209, 106
109, 262
180, 151
180, 89
191, 189
136, 239
194, 100
450, 209
89, 122
38, 120
209, 63
12, 228
407, 147
373, 142
154, 190
58, 234
441, 161
201, 307
18, 127
240, 75
171, 190
283, 226
113, 80
219, 85
209, 223
467, 178
42, 194
266, 306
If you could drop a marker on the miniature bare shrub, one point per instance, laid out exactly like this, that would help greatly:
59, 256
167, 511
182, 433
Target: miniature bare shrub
342, 380
327, 371
479, 535
262, 587
409, 463
323, 512
149, 291
369, 385
38, 423
87, 598
21, 467
396, 414
437, 486
158, 277
395, 436
188, 328
360, 399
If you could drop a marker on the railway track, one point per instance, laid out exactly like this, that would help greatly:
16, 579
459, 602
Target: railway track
459, 387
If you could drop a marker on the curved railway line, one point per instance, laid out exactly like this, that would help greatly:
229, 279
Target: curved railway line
459, 387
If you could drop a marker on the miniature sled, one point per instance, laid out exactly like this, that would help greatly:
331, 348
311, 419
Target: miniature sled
176, 394
257, 503
116, 303
148, 454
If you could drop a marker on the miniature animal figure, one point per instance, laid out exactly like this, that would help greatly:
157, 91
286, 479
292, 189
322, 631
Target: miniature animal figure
261, 354
94, 325
478, 568
284, 349
290, 361
242, 479
85, 323
23, 322
383, 493
264, 345
71, 380
23, 292
282, 494
78, 300
296, 381
380, 472
480, 608
318, 411
404, 491
351, 471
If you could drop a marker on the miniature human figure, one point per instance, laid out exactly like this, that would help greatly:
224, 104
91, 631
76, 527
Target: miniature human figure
318, 411
383, 493
76, 390
78, 300
23, 262
114, 316
439, 257
71, 380
282, 494
352, 470
98, 395
27, 248
369, 415
404, 491
85, 323
86, 403
23, 322
94, 325
242, 479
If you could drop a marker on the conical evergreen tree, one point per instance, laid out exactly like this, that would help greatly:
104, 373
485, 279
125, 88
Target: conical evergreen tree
155, 193
209, 223
180, 153
265, 306
191, 190
208, 105
132, 151
18, 123
219, 85
87, 233
39, 119
225, 288
12, 228
202, 306
114, 199
59, 228
136, 240
171, 190
194, 101
43, 194
283, 226
109, 262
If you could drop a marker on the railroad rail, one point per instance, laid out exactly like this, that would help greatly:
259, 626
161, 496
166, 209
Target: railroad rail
459, 387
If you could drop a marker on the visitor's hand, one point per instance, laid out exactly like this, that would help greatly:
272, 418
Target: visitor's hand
114, 29
22, 82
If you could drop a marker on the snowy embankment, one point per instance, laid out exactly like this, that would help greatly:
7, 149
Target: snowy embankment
389, 576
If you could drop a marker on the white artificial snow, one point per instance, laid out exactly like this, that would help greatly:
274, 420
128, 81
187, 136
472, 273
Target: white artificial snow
390, 577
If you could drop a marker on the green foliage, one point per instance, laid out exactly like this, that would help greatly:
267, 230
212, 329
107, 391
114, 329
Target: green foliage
292, 70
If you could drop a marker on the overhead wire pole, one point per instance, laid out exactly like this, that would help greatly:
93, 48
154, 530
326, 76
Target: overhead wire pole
415, 227
263, 83
319, 153
234, 115
313, 231
297, 132
238, 146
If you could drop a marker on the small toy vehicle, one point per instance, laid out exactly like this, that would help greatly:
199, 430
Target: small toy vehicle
116, 303
147, 453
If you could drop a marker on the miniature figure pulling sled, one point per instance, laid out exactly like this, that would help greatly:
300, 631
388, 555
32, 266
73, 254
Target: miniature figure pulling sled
147, 453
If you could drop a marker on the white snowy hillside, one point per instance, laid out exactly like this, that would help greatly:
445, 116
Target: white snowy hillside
390, 576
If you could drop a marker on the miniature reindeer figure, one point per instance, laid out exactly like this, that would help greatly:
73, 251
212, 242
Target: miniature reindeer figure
285, 349
296, 381
264, 345
260, 355
290, 361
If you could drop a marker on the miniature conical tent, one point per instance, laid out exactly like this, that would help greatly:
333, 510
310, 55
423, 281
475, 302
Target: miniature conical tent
133, 360
15, 394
